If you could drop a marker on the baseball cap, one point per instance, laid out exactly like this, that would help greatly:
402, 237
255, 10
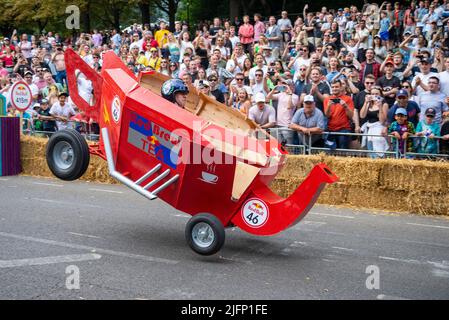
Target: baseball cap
340, 9
28, 72
430, 112
401, 111
259, 97
153, 49
205, 83
36, 105
402, 93
63, 94
309, 98
424, 60
44, 101
5, 39
389, 61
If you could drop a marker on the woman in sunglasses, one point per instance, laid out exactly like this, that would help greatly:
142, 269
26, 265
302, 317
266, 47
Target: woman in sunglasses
164, 68
374, 112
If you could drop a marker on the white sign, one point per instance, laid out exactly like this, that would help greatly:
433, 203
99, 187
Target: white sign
116, 109
21, 96
255, 213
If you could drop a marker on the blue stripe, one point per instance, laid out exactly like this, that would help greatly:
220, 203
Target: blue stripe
144, 128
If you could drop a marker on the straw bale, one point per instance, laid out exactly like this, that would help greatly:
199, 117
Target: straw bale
334, 194
428, 203
298, 166
376, 198
413, 175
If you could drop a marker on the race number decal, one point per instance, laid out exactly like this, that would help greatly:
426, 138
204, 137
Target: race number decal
116, 109
255, 213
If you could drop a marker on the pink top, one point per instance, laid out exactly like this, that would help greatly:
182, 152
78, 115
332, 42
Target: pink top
259, 28
246, 33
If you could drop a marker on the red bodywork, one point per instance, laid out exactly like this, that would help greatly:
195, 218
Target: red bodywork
146, 130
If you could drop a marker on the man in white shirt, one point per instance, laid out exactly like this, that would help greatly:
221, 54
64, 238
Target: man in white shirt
420, 81
235, 64
260, 65
262, 113
62, 112
286, 107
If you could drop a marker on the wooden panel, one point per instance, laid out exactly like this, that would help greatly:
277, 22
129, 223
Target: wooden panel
205, 107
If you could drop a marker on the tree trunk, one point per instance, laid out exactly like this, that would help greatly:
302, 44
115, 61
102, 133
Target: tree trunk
144, 7
172, 8
85, 16
116, 15
234, 6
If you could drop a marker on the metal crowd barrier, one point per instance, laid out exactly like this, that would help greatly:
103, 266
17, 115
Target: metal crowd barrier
29, 129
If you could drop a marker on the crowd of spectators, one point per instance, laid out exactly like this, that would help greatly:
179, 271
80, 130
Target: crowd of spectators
378, 70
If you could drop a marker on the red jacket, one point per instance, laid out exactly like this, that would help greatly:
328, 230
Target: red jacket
376, 71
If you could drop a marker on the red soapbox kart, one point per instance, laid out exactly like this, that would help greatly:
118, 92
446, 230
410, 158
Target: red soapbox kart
206, 160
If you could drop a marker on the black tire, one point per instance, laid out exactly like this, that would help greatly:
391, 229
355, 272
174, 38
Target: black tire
76, 149
215, 226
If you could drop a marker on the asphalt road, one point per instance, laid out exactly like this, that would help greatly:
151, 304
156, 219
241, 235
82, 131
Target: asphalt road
126, 247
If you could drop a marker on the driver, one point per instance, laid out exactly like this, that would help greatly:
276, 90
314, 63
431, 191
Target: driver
175, 91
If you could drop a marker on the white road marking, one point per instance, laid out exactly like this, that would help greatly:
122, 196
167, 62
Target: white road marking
105, 190
4, 179
48, 260
412, 261
387, 297
331, 215
67, 203
440, 273
314, 223
48, 184
341, 248
84, 235
427, 225
181, 216
92, 249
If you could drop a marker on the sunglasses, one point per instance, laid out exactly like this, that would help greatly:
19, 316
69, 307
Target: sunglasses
239, 79
430, 116
405, 87
258, 75
369, 82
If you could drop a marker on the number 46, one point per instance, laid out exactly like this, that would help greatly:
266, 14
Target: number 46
253, 218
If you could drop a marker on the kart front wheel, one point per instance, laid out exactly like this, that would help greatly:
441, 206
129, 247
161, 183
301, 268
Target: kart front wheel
67, 154
205, 234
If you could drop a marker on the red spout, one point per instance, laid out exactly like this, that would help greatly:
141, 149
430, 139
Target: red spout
266, 213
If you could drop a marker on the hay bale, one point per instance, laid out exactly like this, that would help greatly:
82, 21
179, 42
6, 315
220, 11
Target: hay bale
334, 194
428, 203
376, 198
413, 175
298, 166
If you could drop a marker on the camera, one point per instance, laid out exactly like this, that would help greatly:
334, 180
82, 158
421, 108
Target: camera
335, 100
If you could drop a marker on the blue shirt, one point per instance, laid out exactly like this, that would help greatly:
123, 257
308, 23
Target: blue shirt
315, 120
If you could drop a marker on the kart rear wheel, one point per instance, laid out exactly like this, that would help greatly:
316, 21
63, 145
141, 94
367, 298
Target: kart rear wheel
67, 154
205, 234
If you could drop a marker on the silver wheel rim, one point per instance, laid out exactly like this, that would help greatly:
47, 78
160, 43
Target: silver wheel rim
203, 235
63, 155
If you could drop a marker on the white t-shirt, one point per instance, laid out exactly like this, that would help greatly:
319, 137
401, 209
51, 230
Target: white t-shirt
252, 72
264, 116
284, 115
62, 111
258, 87
424, 79
444, 82
231, 64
